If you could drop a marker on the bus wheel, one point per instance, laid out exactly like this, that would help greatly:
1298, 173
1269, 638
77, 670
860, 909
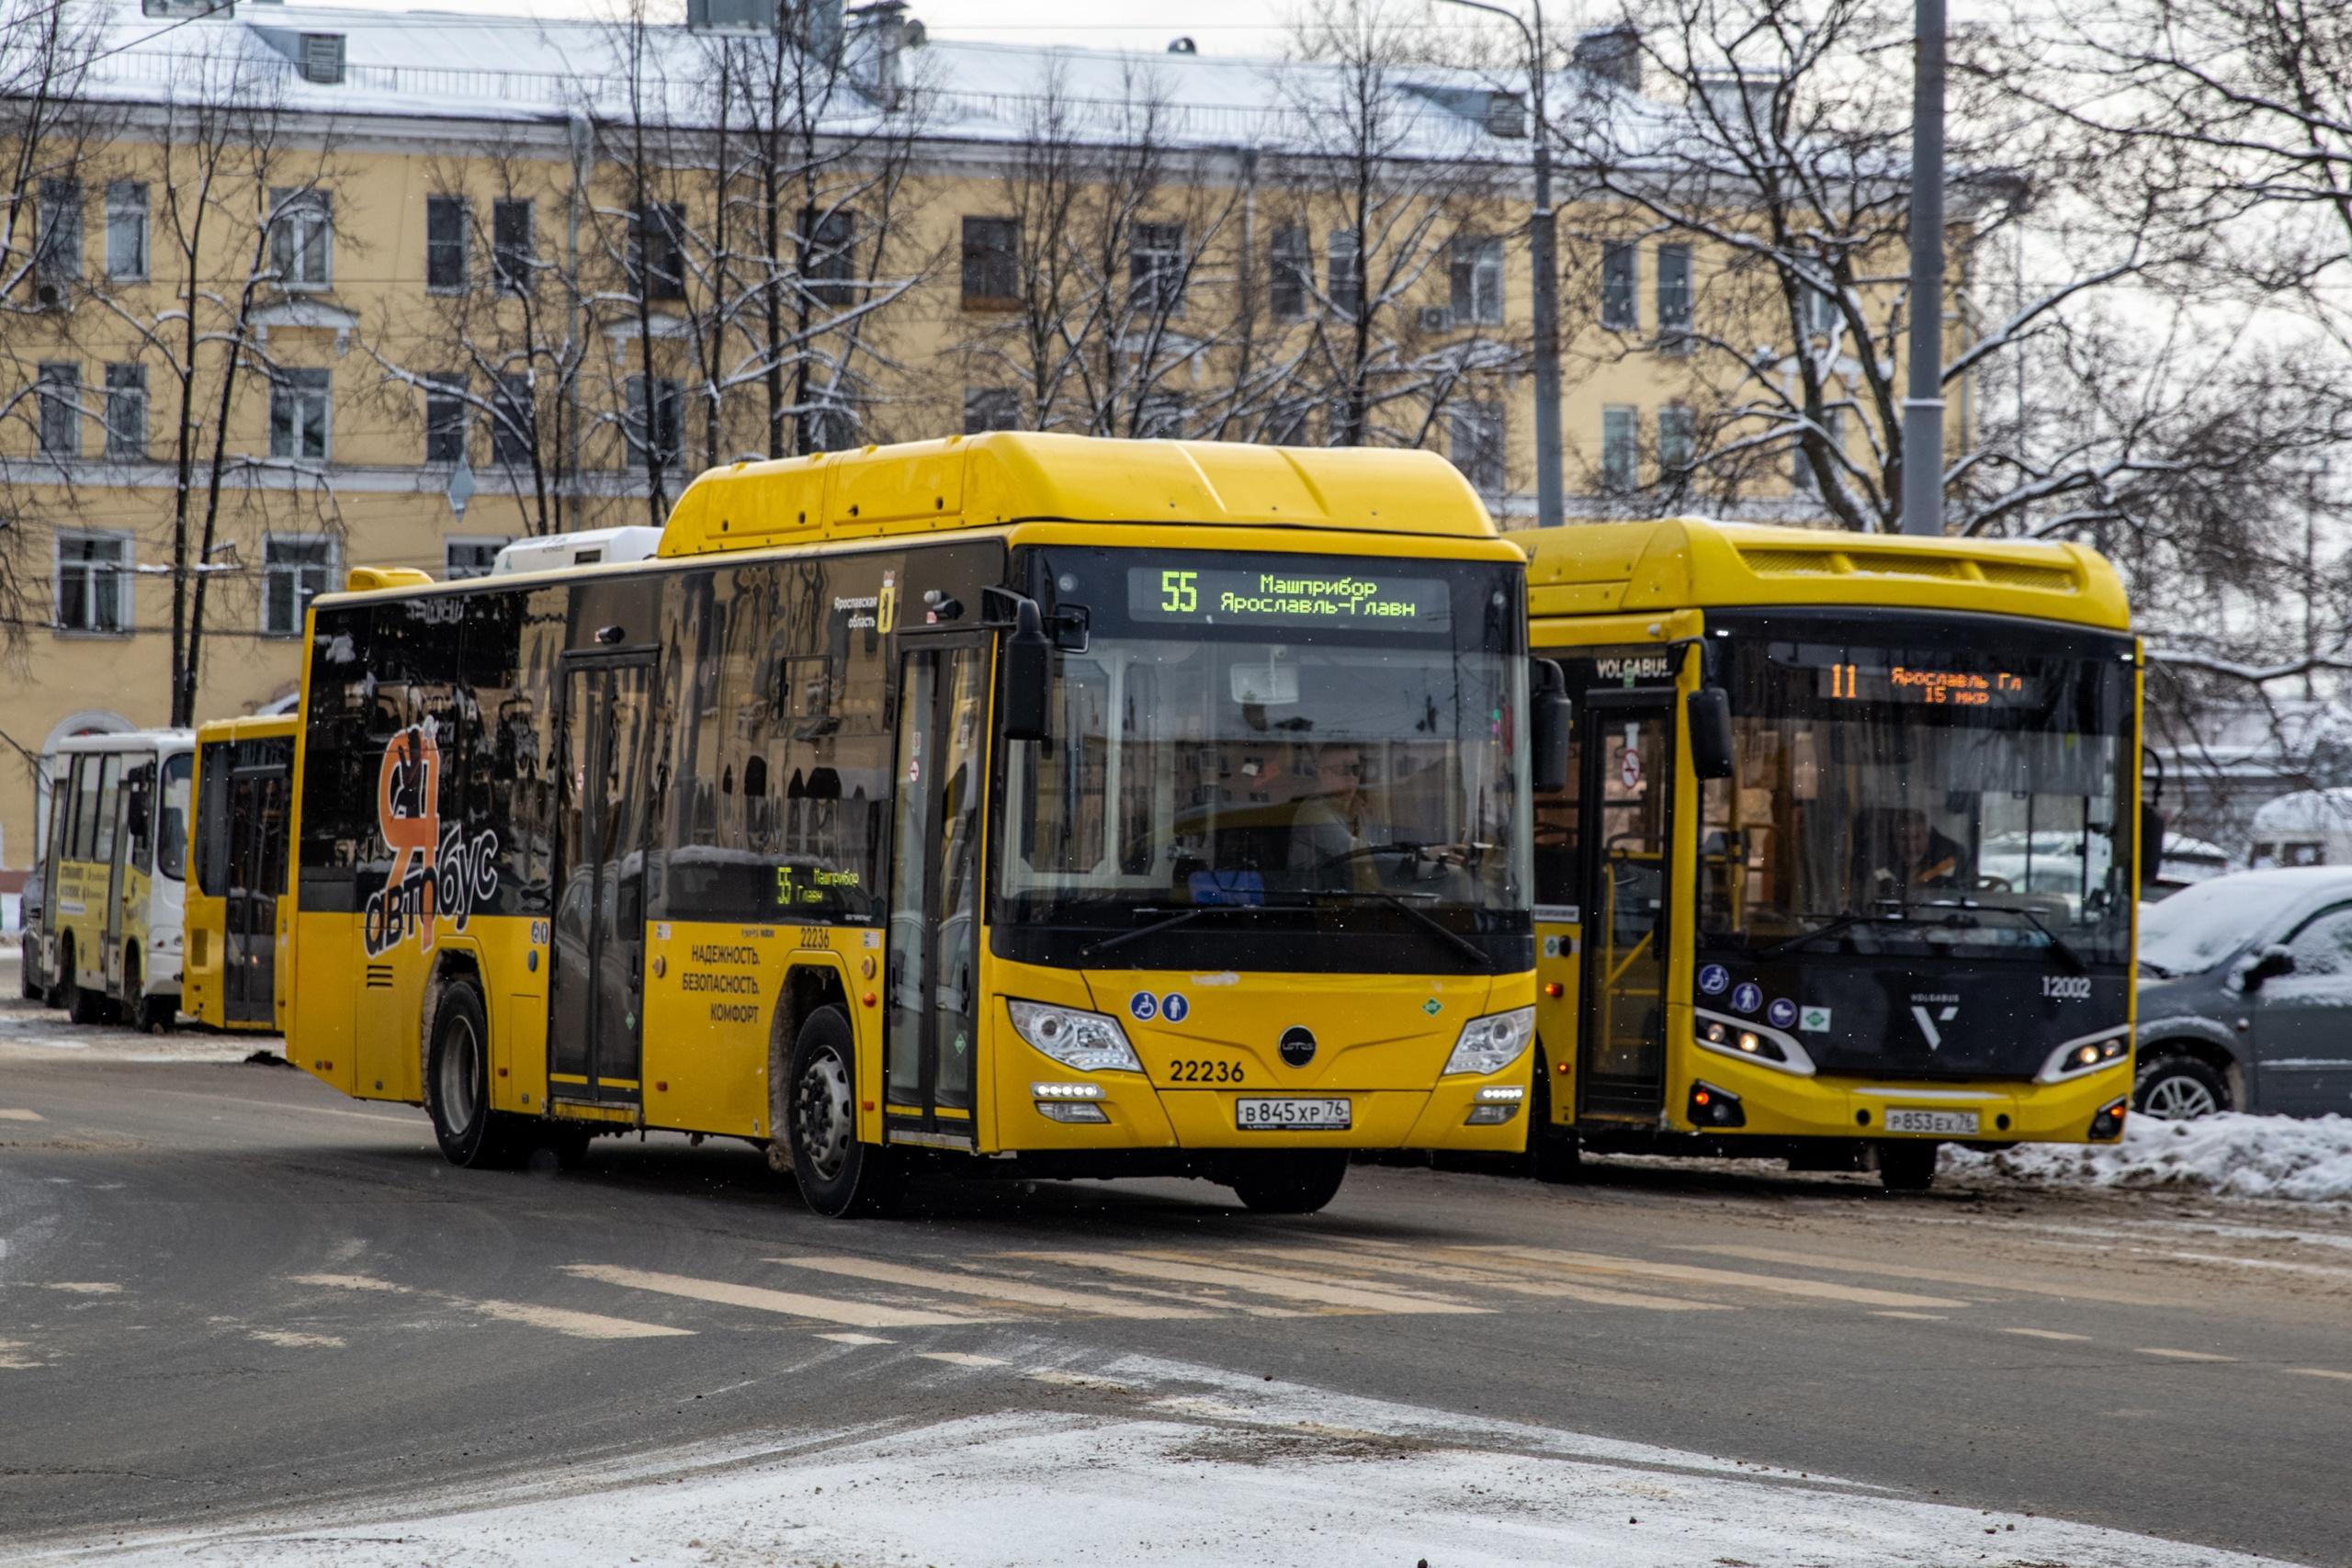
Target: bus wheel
839, 1176
1907, 1166
456, 1082
149, 1015
82, 1006
1290, 1183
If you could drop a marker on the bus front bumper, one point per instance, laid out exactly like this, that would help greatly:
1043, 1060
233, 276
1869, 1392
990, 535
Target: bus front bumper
1781, 1105
1471, 1114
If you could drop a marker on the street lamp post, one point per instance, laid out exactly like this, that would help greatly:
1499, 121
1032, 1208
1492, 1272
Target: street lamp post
1544, 261
1923, 408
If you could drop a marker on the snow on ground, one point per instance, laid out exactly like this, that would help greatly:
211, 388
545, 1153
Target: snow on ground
2229, 1155
1157, 1462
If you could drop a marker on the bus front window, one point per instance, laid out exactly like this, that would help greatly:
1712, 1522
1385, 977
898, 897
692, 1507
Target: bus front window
171, 817
1285, 780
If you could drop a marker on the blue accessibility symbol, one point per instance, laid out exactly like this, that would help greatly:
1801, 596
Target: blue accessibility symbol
1173, 1007
1782, 1012
1143, 1004
1748, 997
1715, 979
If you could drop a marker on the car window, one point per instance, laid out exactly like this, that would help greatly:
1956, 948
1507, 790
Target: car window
2324, 944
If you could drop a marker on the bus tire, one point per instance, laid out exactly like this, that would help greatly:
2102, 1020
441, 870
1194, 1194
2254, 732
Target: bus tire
839, 1178
82, 1006
456, 1082
1907, 1166
1296, 1183
149, 1015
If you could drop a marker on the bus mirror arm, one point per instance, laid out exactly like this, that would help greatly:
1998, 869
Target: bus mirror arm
1709, 714
1025, 695
1550, 726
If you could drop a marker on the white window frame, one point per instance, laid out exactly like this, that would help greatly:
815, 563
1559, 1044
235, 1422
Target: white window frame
1678, 430
121, 574
645, 398
273, 570
1620, 449
512, 269
1474, 280
444, 200
283, 386
1156, 268
493, 543
118, 449
1620, 298
1344, 277
455, 389
301, 239
1675, 311
134, 212
57, 389
1290, 268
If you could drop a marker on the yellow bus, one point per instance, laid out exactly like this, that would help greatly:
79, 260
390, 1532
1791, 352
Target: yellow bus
1016, 803
111, 898
1843, 868
237, 917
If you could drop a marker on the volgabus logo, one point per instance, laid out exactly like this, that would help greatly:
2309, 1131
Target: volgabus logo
434, 875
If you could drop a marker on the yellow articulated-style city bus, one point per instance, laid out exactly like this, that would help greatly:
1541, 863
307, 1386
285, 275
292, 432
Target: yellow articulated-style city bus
118, 852
1844, 865
238, 919
1019, 803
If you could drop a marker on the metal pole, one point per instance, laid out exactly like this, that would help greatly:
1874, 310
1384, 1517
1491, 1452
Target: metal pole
1544, 262
1923, 408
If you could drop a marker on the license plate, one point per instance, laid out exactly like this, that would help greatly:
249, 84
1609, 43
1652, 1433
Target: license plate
1961, 1123
1283, 1115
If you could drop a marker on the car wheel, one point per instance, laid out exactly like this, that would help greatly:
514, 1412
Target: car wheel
1907, 1166
1290, 1183
456, 1082
839, 1178
2175, 1087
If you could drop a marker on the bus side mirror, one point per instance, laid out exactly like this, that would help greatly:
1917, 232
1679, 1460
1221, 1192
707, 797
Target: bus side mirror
1027, 665
1709, 714
1550, 726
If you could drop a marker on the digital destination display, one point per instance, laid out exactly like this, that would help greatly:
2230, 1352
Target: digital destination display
1289, 598
1926, 685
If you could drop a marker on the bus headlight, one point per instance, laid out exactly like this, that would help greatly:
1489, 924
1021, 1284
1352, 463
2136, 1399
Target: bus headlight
1490, 1044
2086, 1055
1751, 1042
1085, 1041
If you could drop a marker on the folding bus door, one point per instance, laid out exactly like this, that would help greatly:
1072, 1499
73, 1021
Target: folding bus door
597, 1001
1628, 791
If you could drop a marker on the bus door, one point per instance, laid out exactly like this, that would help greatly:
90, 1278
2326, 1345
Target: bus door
114, 846
931, 1030
598, 981
256, 876
1628, 790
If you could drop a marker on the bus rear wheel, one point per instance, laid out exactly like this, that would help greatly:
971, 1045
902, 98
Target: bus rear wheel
1290, 1183
839, 1178
457, 1083
82, 1006
1907, 1166
149, 1015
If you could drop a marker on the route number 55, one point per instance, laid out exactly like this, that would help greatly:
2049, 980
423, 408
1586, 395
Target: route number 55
1179, 592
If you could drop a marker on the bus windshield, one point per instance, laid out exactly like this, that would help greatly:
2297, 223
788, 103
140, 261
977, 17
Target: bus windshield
1955, 792
1241, 748
171, 816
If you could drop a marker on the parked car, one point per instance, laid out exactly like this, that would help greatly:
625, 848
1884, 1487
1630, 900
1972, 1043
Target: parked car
32, 946
2245, 996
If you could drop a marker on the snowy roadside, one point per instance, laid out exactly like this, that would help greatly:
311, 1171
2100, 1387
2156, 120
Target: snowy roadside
30, 1030
1161, 1462
2229, 1155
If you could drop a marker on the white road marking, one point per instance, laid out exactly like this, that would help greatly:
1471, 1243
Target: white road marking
846, 1338
1188, 1268
990, 1288
13, 1358
791, 1304
959, 1359
2321, 1373
1602, 1263
561, 1320
2047, 1333
85, 1287
1344, 1256
294, 1341
2071, 1289
2180, 1354
22, 1116
1912, 1316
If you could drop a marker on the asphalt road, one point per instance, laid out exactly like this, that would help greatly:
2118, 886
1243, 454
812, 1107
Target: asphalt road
226, 1292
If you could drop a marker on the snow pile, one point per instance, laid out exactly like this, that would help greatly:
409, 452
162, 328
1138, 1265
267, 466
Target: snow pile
2229, 1155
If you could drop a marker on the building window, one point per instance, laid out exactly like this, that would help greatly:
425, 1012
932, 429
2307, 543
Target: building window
92, 582
991, 264
300, 238
1476, 271
657, 253
444, 417
1621, 438
990, 408
1286, 422
58, 234
59, 391
127, 230
1160, 417
127, 412
511, 245
469, 558
1677, 441
297, 414
833, 427
831, 267
513, 418
1619, 278
1673, 291
1822, 316
1156, 268
295, 570
657, 423
444, 242
1344, 262
1475, 437
1291, 273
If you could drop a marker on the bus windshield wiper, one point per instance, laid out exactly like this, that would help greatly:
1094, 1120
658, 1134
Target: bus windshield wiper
1168, 920
2058, 944
1831, 926
1428, 922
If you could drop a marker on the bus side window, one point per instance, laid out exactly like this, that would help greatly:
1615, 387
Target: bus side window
86, 807
109, 794
139, 816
